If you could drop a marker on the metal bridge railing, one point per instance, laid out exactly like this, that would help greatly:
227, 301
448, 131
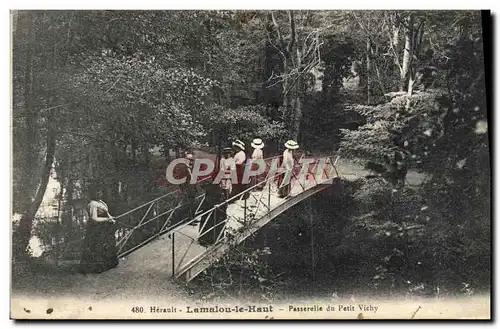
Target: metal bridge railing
229, 226
143, 224
171, 212
148, 221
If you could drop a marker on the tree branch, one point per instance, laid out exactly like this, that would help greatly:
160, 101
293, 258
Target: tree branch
394, 52
401, 20
292, 31
280, 37
315, 31
419, 35
275, 47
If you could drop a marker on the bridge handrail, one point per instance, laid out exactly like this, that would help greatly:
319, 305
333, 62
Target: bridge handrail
240, 195
185, 221
209, 212
162, 197
172, 193
154, 200
126, 235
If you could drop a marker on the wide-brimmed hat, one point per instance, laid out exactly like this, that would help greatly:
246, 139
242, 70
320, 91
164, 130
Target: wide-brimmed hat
227, 150
291, 144
239, 144
257, 143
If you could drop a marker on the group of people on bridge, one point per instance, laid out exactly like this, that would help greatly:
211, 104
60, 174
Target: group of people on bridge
234, 159
231, 189
99, 252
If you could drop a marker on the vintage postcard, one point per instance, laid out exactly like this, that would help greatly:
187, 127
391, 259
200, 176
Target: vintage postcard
250, 164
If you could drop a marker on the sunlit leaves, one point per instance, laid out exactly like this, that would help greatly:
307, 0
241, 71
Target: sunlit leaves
246, 123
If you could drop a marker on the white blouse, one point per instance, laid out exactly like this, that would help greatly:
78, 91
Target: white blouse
240, 158
92, 209
257, 154
288, 159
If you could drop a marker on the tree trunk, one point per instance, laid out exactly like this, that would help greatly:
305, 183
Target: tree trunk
145, 154
361, 73
23, 233
395, 37
30, 160
67, 219
297, 111
413, 72
407, 54
90, 162
61, 177
379, 78
286, 109
134, 153
411, 82
298, 118
368, 67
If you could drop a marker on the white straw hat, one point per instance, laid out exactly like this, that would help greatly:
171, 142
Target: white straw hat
257, 143
239, 144
291, 144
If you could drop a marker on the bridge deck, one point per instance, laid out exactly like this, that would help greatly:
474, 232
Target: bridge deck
190, 258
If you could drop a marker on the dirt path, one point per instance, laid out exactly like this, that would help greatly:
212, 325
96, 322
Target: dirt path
350, 170
141, 274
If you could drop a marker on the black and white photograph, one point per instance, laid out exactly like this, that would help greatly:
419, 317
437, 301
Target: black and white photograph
250, 164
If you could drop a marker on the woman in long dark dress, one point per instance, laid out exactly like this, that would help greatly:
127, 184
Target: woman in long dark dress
240, 160
211, 227
99, 252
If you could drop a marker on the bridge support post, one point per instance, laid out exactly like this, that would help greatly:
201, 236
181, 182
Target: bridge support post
311, 223
269, 196
173, 254
245, 212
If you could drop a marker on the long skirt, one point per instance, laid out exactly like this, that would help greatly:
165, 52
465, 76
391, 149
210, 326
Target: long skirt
254, 180
212, 227
99, 251
190, 204
212, 224
283, 190
240, 186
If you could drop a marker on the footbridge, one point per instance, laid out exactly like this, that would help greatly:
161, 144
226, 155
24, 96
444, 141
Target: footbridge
188, 242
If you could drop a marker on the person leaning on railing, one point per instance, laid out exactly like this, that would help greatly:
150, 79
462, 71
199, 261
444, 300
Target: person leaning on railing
99, 251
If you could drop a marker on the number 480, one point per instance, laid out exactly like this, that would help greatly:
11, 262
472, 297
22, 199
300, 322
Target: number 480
137, 309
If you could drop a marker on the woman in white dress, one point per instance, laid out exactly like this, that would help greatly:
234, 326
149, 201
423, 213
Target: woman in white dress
287, 163
257, 154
